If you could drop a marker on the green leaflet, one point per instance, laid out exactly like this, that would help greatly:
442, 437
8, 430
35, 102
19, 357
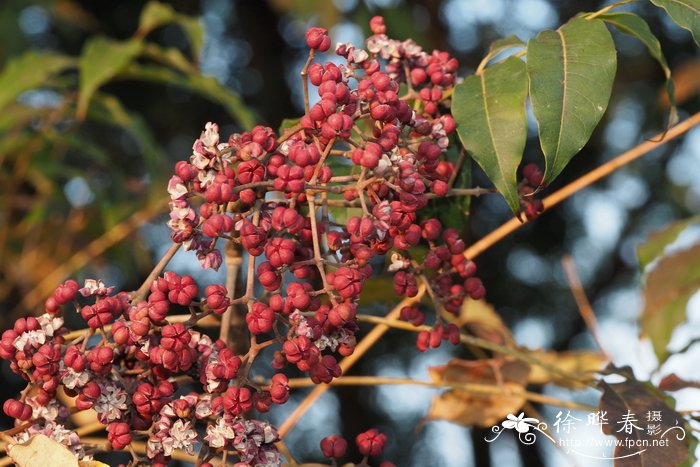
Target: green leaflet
29, 71
490, 113
670, 279
156, 14
635, 26
571, 75
685, 13
499, 46
102, 59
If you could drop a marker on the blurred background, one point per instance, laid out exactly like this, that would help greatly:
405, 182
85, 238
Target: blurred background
85, 197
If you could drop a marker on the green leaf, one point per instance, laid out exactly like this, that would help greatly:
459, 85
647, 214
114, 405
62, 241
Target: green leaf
169, 56
635, 26
29, 71
657, 241
195, 32
156, 14
499, 46
669, 284
685, 13
288, 123
102, 59
206, 86
490, 113
340, 215
571, 75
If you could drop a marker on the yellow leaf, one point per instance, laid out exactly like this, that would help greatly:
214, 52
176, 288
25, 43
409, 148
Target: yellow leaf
584, 363
474, 408
40, 451
481, 320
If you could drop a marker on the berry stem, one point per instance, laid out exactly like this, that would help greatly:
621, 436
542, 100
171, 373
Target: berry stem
362, 347
305, 79
140, 294
232, 317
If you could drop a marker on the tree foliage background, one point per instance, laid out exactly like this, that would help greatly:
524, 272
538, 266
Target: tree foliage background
85, 196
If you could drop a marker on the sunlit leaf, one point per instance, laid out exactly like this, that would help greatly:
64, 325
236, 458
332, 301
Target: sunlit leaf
502, 45
40, 451
101, 60
481, 320
154, 15
109, 110
641, 401
169, 56
157, 14
668, 286
490, 113
580, 362
658, 240
194, 30
471, 408
29, 71
571, 75
685, 13
635, 26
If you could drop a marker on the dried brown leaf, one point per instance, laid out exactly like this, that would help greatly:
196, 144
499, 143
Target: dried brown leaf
471, 408
583, 363
481, 320
641, 401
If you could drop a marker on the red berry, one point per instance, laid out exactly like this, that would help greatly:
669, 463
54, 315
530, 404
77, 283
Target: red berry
334, 446
371, 442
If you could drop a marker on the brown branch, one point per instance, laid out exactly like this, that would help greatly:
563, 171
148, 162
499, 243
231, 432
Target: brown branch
474, 388
233, 319
140, 294
95, 248
584, 306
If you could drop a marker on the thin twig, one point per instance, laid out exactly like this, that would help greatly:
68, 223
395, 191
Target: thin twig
231, 317
140, 294
474, 388
584, 306
95, 248
480, 343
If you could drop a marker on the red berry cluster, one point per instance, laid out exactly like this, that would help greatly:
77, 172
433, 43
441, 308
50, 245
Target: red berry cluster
374, 140
370, 443
532, 181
